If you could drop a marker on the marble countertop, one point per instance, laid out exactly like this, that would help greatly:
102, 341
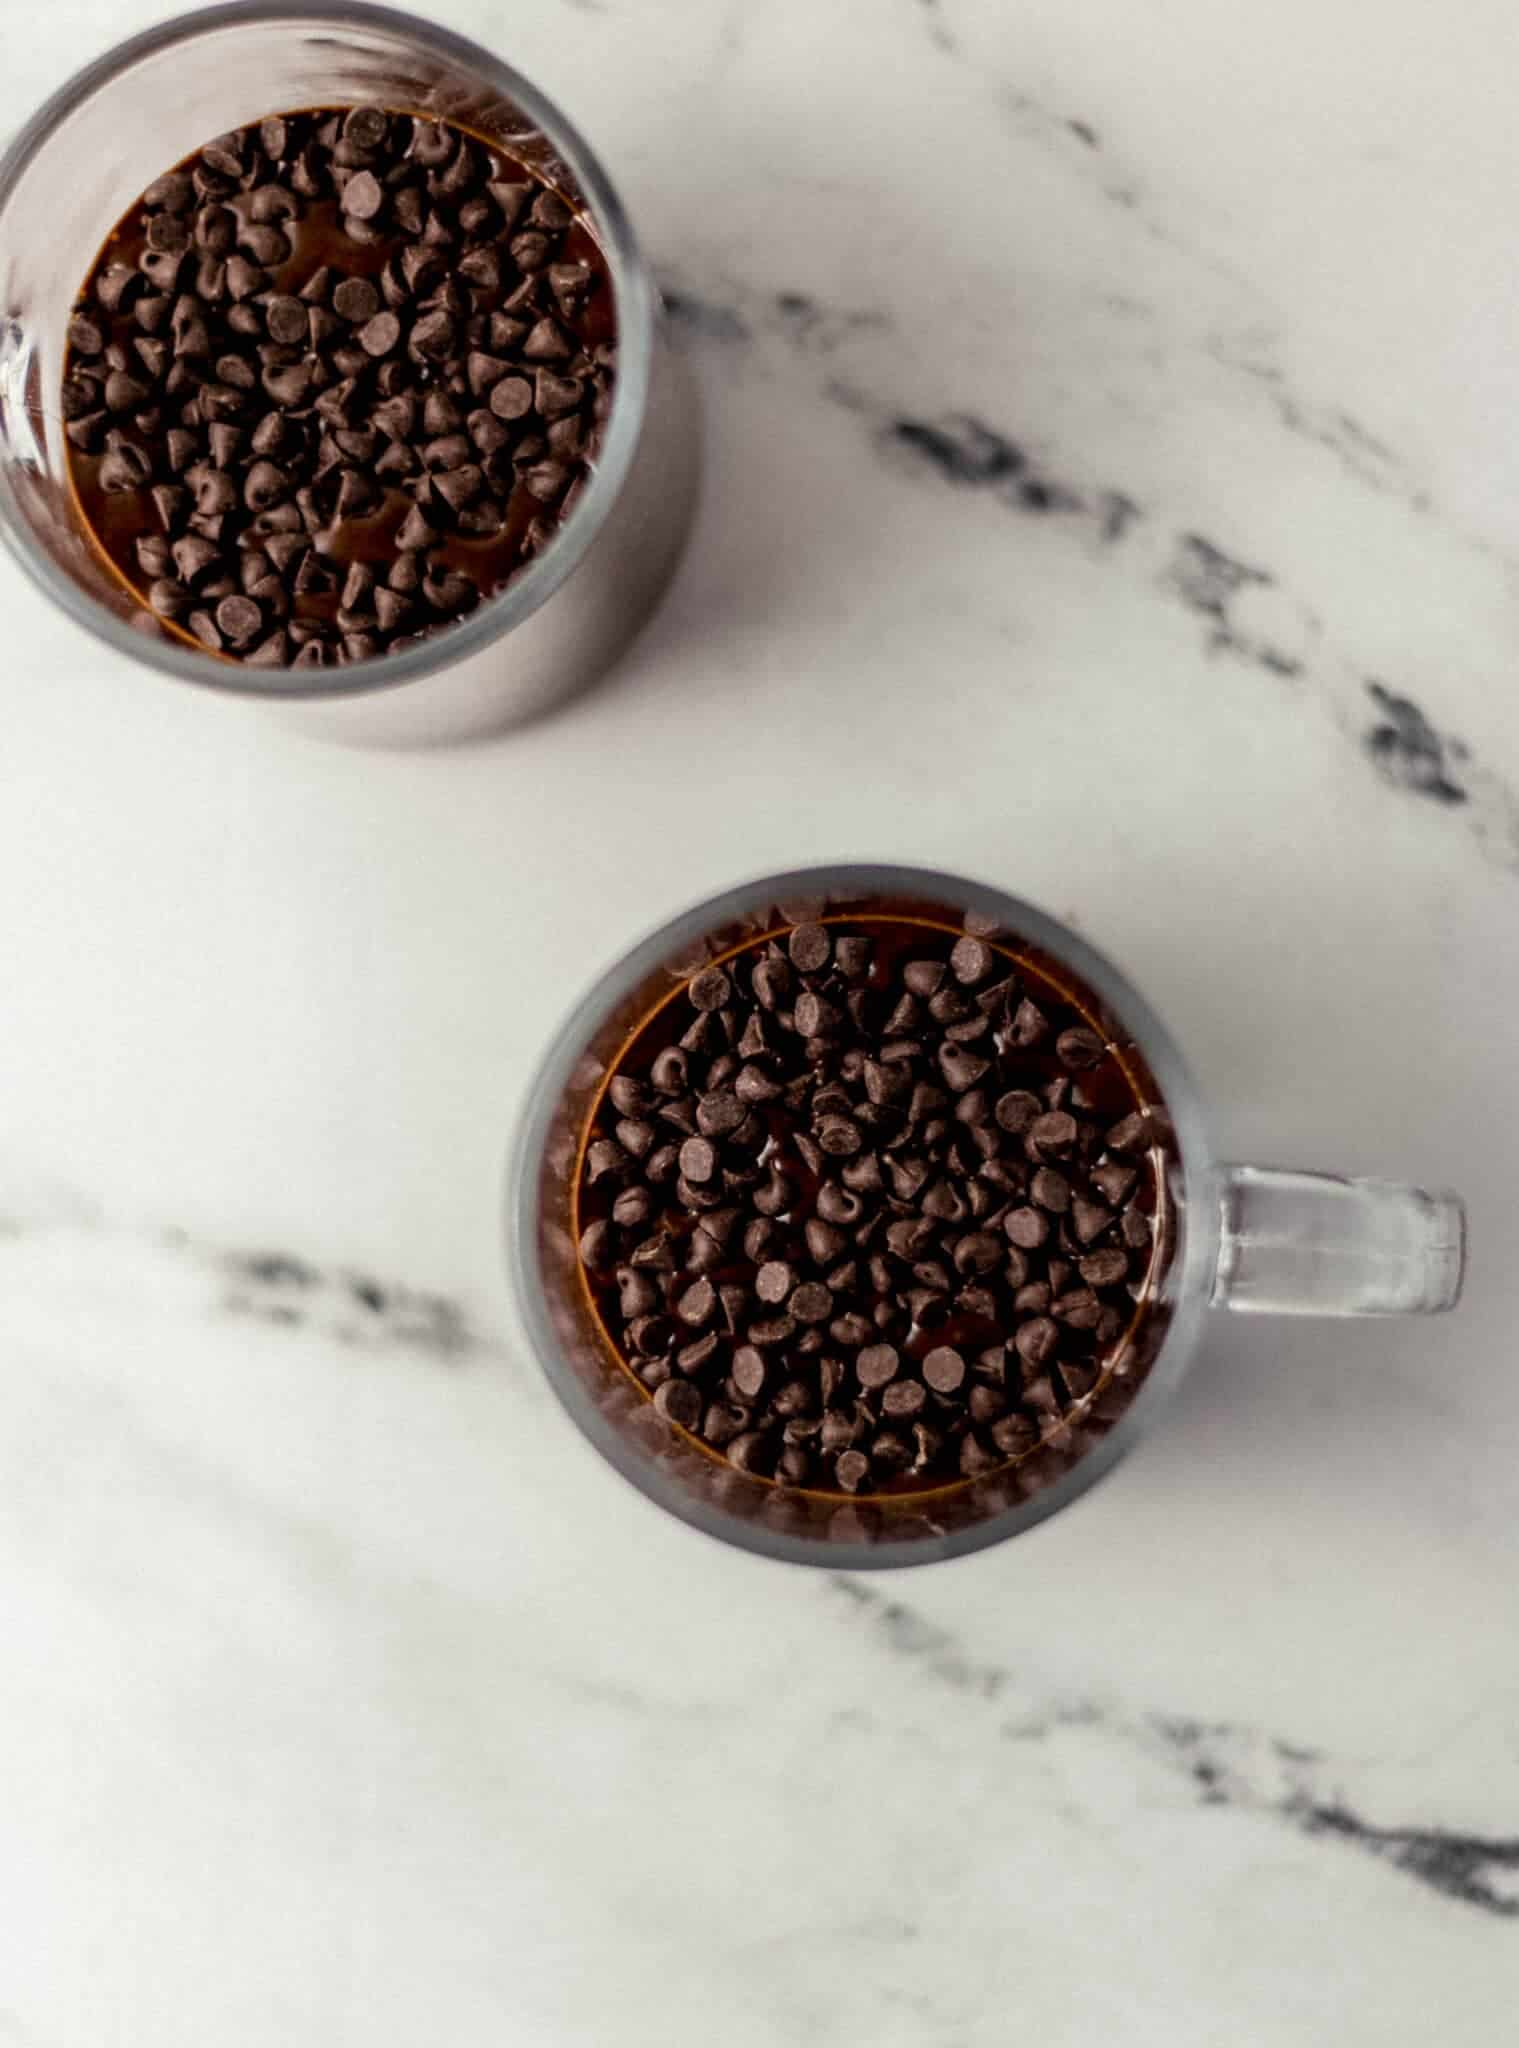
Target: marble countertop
1110, 493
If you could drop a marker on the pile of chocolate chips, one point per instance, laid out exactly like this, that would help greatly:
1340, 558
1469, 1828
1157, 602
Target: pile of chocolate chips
870, 1209
334, 379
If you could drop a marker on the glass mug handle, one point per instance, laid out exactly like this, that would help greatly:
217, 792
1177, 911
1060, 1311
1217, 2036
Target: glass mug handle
1312, 1244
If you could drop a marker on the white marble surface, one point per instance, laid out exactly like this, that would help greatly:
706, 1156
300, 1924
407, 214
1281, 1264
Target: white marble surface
346, 1698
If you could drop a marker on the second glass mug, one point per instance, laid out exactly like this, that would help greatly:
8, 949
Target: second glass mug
113, 128
1250, 1239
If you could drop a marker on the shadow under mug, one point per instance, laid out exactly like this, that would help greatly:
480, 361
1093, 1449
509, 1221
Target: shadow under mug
1246, 1238
114, 127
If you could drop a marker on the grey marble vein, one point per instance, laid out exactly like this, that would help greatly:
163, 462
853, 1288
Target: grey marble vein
1410, 753
939, 33
728, 314
1406, 750
353, 1307
1225, 1764
1362, 454
281, 1289
1207, 579
1244, 610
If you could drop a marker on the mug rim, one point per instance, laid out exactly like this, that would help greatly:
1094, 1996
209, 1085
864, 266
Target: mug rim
1192, 1269
633, 292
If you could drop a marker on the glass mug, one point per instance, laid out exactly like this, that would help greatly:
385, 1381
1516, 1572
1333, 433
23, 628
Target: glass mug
114, 127
1246, 1238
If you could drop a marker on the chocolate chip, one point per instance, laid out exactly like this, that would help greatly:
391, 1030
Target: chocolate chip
1080, 1047
944, 1369
748, 1372
679, 1402
173, 192
774, 1281
809, 947
1055, 1131
1104, 1268
238, 619
710, 989
357, 301
1129, 1134
851, 1469
1089, 1219
971, 961
811, 1302
123, 467
1035, 1341
362, 197
698, 1160
962, 1069
1113, 1180
876, 1365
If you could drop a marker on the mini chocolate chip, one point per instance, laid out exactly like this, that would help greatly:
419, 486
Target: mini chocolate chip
238, 619
1080, 1047
698, 1304
1089, 1219
1017, 1111
264, 485
173, 191
978, 1252
1026, 1227
679, 1402
362, 197
377, 337
839, 1136
748, 1372
962, 1069
698, 1160
596, 1245
1113, 1180
1055, 1131
809, 947
876, 1365
944, 1369
1129, 1134
1104, 1269
356, 300
851, 1469
1029, 1024
971, 961
1036, 1340
1135, 1229
1079, 1308
710, 989
811, 1302
903, 1399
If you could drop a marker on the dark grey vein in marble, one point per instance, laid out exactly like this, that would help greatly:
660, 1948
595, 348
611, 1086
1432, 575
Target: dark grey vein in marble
1459, 1866
963, 450
1207, 579
1244, 611
1406, 751
939, 33
353, 1307
702, 319
1225, 1764
803, 322
1359, 452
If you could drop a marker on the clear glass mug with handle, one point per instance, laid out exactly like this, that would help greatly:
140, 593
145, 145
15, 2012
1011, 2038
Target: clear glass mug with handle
118, 124
1249, 1239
